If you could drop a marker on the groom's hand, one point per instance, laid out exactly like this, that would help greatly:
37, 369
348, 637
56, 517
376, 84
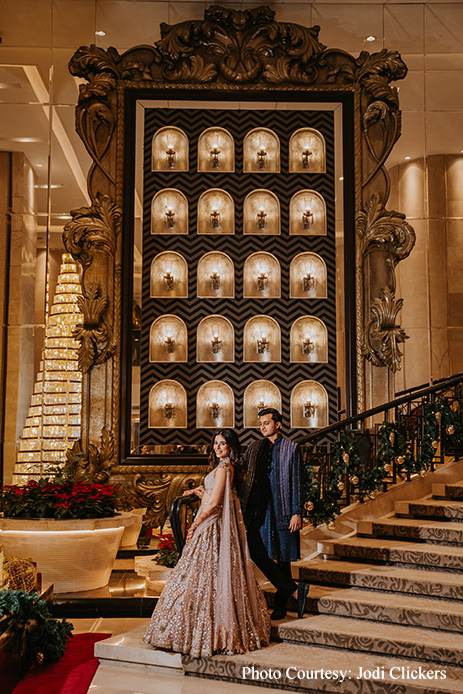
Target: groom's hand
295, 523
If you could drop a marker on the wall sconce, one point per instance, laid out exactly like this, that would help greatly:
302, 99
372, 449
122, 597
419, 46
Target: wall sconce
170, 217
169, 344
306, 154
168, 280
261, 158
216, 344
309, 409
262, 282
307, 219
307, 346
169, 410
215, 218
215, 157
215, 410
308, 282
260, 406
261, 215
215, 281
171, 156
262, 344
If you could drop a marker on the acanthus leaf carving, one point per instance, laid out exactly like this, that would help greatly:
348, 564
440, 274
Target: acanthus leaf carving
95, 335
383, 330
383, 229
95, 463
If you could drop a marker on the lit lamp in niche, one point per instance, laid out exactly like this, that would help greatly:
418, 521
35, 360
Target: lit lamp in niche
260, 406
215, 281
216, 344
169, 410
262, 344
307, 346
170, 217
307, 219
215, 410
215, 156
306, 154
261, 218
309, 409
308, 282
169, 344
171, 156
215, 218
262, 282
168, 280
261, 157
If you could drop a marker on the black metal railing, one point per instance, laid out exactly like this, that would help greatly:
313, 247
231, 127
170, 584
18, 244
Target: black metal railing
182, 511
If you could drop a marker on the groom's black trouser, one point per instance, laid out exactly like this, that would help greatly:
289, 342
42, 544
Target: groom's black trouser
277, 572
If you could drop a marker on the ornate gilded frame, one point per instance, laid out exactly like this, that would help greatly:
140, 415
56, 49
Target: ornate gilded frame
230, 52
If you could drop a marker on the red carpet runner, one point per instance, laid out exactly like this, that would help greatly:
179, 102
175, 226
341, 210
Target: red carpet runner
70, 675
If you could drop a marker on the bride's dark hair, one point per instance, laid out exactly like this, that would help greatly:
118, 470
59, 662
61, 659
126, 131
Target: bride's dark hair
231, 437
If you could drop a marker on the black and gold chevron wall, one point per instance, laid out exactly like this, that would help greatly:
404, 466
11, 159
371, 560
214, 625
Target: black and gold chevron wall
192, 310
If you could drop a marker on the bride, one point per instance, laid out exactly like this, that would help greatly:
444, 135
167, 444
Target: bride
211, 602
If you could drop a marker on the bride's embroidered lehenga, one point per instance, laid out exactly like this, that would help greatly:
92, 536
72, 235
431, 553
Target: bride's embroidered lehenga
211, 602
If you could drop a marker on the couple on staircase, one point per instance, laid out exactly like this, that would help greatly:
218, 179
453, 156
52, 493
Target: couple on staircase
212, 603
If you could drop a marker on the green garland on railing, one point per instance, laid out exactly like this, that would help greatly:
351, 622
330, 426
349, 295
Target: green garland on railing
392, 446
438, 415
46, 636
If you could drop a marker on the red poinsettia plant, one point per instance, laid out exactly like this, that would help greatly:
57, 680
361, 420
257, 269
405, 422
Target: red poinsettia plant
167, 551
47, 498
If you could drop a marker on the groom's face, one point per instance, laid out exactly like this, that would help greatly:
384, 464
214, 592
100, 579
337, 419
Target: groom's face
267, 426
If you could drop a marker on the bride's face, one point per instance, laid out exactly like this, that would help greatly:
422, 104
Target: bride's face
221, 447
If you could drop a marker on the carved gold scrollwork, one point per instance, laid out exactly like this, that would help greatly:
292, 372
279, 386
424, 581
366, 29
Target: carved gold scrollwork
381, 229
94, 335
383, 331
93, 229
94, 464
156, 494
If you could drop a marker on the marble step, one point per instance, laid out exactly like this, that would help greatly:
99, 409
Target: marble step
431, 508
393, 608
297, 667
412, 529
359, 635
384, 550
438, 584
448, 491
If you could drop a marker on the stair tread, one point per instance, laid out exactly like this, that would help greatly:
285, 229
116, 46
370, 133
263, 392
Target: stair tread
383, 630
289, 655
421, 575
415, 522
397, 600
386, 543
429, 501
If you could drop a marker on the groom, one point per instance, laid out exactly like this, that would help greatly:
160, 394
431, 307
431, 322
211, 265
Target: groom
272, 509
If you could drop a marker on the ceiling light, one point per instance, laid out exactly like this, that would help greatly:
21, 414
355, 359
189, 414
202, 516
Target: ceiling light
407, 158
39, 165
62, 216
370, 38
53, 185
22, 139
100, 33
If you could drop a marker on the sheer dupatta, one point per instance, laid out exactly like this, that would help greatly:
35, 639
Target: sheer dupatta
241, 617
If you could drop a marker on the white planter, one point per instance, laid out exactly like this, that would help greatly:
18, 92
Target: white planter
132, 530
155, 574
74, 555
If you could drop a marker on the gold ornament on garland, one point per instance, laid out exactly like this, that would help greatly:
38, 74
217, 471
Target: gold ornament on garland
340, 486
331, 525
435, 444
400, 459
354, 480
387, 466
308, 506
345, 457
438, 416
392, 438
450, 430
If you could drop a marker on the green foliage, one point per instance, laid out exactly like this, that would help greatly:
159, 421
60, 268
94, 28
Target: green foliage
167, 551
46, 636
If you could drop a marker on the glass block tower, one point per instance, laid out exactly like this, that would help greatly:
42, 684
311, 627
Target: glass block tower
54, 418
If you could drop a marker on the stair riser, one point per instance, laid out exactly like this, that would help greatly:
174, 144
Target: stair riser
371, 644
438, 513
380, 554
391, 615
382, 583
406, 532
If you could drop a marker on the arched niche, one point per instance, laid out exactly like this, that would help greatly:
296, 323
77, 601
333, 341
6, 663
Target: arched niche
307, 277
307, 151
168, 339
169, 212
262, 340
261, 151
307, 214
309, 406
216, 151
169, 151
309, 340
215, 406
258, 395
262, 276
169, 276
167, 406
215, 340
216, 212
261, 213
216, 276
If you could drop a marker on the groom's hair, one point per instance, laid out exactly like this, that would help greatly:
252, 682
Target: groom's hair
276, 416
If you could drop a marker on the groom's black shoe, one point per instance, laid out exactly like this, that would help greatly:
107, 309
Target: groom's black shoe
279, 607
302, 590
